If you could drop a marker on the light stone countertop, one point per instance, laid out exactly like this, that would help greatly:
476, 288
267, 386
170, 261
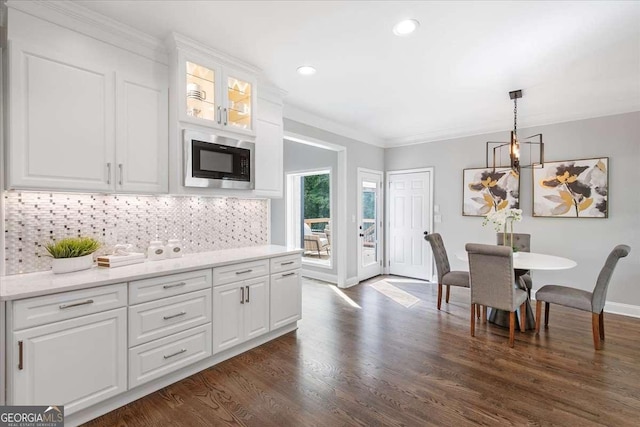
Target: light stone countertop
43, 283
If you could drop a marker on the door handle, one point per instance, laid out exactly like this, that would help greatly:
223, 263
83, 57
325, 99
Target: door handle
169, 356
20, 355
174, 285
219, 114
75, 304
226, 116
242, 295
244, 271
173, 316
120, 167
247, 300
426, 233
108, 173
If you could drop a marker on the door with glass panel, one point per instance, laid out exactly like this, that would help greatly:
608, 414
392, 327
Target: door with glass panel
202, 101
369, 223
239, 108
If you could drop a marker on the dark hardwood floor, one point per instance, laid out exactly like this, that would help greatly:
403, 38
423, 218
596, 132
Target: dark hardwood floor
387, 365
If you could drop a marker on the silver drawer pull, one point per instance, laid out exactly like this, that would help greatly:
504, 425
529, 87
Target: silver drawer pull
169, 356
244, 271
76, 304
288, 274
287, 263
174, 285
173, 316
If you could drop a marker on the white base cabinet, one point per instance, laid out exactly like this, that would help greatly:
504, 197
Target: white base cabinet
240, 312
88, 348
286, 298
75, 363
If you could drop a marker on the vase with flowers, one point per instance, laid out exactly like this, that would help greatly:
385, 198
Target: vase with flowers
503, 220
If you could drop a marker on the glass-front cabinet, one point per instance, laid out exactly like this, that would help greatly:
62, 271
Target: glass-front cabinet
217, 97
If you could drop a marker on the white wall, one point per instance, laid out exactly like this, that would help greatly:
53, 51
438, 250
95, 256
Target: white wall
587, 241
359, 155
300, 157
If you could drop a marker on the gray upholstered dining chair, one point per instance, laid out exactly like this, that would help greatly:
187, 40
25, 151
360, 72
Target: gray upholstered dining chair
493, 284
446, 277
522, 242
582, 300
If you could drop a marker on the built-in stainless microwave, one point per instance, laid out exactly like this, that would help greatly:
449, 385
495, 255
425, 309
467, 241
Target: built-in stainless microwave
217, 162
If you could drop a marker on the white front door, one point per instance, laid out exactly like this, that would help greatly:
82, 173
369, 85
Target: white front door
370, 222
409, 220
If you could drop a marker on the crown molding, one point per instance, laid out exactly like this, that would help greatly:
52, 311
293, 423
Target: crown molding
178, 41
630, 105
297, 114
85, 21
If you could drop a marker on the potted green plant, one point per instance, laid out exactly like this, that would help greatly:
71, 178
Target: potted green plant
72, 254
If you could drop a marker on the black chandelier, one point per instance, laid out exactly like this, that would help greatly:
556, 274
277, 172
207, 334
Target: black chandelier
515, 143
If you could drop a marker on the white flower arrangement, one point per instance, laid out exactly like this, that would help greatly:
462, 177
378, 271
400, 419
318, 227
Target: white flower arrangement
502, 217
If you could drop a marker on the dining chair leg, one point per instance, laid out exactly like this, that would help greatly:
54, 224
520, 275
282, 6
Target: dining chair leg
512, 328
473, 320
602, 325
439, 295
595, 325
484, 314
538, 315
448, 293
546, 314
523, 316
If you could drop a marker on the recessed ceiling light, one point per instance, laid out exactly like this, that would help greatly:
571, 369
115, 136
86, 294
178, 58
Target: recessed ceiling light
306, 70
405, 27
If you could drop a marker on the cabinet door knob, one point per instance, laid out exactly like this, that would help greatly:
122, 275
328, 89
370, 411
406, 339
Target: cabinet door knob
219, 114
242, 295
108, 173
247, 300
226, 116
121, 168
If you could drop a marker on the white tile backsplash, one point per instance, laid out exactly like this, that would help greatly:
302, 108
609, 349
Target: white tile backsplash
33, 219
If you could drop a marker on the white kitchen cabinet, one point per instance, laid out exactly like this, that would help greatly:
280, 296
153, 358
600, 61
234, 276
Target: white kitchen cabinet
286, 298
61, 121
86, 125
76, 363
240, 312
142, 131
213, 95
269, 148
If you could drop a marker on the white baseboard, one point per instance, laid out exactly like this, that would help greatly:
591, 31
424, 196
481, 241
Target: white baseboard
616, 308
620, 308
318, 275
351, 281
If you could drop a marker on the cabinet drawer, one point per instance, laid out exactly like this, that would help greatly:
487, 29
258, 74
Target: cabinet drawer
286, 263
242, 271
168, 286
158, 319
158, 358
67, 305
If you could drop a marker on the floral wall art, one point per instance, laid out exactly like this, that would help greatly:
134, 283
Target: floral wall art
572, 189
487, 190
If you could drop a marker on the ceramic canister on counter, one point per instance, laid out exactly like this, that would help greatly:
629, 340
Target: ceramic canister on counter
174, 248
156, 251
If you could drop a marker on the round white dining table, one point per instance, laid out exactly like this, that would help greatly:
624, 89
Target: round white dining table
533, 261
525, 261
